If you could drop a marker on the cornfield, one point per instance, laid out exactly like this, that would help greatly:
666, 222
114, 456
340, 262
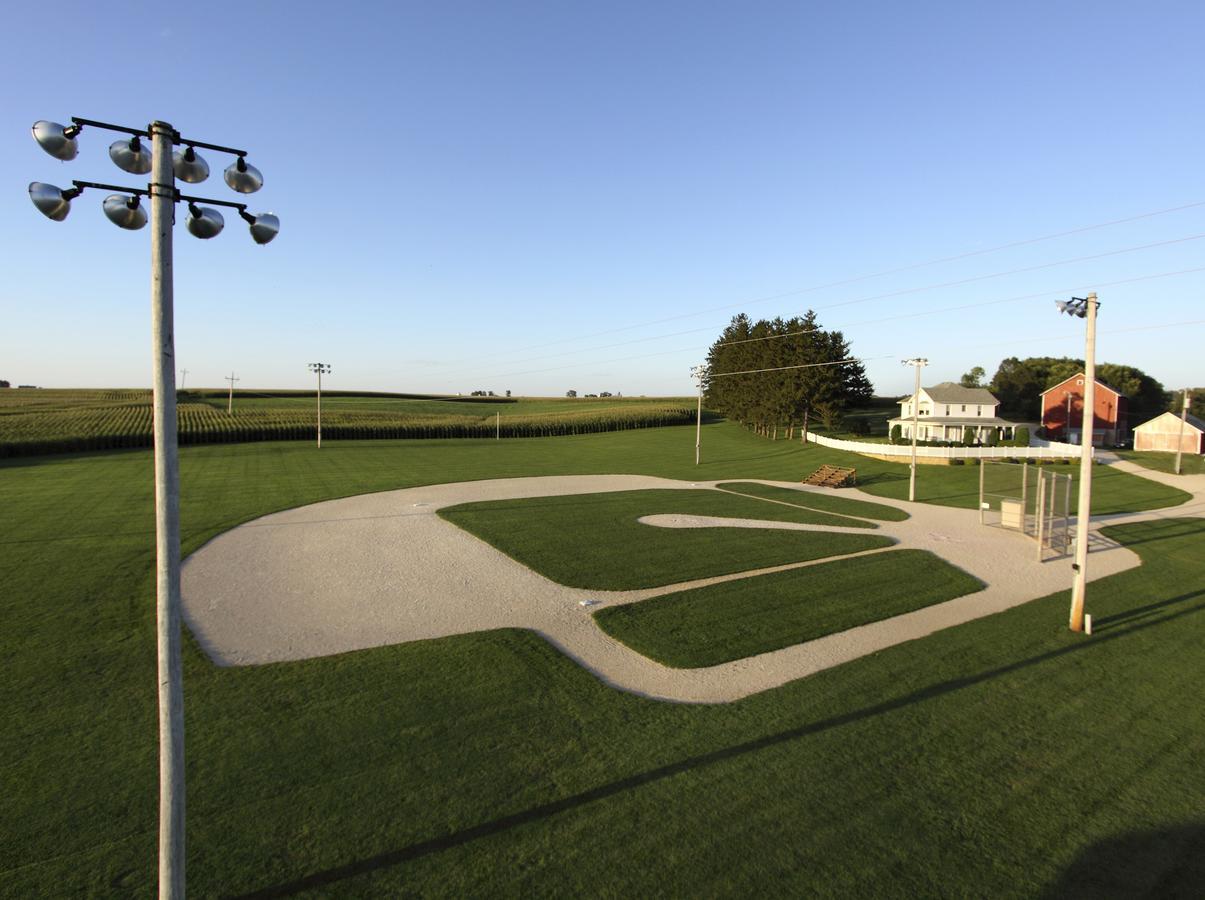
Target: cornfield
55, 421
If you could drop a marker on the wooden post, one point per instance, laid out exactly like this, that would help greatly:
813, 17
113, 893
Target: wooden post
167, 519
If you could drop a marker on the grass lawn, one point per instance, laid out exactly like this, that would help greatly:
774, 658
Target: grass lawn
1190, 463
594, 541
1003, 757
828, 502
722, 622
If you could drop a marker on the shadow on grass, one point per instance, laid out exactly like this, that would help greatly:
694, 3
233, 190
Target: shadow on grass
334, 875
1122, 866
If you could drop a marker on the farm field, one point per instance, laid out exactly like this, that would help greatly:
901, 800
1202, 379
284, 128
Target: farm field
48, 421
1002, 757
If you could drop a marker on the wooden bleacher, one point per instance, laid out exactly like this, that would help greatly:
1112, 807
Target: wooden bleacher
833, 476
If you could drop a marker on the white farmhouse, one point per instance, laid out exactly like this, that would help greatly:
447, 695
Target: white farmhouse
946, 410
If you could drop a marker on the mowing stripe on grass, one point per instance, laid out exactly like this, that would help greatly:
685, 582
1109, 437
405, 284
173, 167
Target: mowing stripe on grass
841, 506
735, 619
594, 541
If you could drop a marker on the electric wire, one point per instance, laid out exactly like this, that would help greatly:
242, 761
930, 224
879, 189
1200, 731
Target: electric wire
961, 307
880, 274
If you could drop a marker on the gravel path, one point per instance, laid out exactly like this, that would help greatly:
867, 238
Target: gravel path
383, 569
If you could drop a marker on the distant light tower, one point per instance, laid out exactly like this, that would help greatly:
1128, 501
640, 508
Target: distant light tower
1183, 418
917, 363
124, 210
1083, 308
230, 402
320, 369
699, 374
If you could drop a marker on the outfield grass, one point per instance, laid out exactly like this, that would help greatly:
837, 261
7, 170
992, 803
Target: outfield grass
1002, 757
1190, 463
595, 541
828, 502
722, 622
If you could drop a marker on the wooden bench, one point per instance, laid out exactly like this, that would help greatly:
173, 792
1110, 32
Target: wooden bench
833, 476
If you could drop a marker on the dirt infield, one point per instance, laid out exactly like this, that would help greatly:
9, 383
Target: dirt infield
383, 569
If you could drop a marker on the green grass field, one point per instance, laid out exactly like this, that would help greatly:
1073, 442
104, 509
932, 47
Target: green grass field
594, 541
1006, 757
734, 619
841, 504
1190, 463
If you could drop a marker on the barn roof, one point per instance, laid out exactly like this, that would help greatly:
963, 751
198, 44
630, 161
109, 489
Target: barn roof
1190, 419
1080, 375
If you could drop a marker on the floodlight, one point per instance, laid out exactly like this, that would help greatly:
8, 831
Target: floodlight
51, 201
264, 226
1073, 307
243, 177
57, 140
204, 222
190, 168
125, 211
130, 156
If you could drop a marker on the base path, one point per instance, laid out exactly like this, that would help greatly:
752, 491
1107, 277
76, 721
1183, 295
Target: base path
384, 569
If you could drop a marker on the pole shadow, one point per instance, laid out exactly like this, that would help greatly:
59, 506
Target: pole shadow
334, 875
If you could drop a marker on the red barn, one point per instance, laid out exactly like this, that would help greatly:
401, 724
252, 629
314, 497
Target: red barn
1063, 412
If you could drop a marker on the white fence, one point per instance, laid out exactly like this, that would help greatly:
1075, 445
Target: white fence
1048, 450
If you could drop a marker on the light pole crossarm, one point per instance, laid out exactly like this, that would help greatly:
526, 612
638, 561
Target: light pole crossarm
142, 132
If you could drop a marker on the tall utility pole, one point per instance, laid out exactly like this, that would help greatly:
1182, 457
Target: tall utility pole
1084, 308
183, 375
230, 401
917, 364
124, 210
1183, 421
699, 372
320, 369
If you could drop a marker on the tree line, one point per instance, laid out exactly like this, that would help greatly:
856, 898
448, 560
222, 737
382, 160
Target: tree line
1018, 385
784, 397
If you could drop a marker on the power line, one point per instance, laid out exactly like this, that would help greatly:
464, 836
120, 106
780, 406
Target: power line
882, 273
881, 319
891, 294
839, 362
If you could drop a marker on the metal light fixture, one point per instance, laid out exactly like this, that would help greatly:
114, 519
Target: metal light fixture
57, 140
52, 202
130, 156
263, 226
204, 222
243, 177
1076, 306
189, 166
125, 211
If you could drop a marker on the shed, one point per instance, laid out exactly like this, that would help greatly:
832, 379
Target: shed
1161, 433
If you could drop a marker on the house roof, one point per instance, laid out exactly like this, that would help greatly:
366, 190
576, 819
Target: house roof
1080, 375
1190, 419
949, 392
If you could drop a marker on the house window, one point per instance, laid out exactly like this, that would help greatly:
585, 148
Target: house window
964, 407
947, 409
978, 410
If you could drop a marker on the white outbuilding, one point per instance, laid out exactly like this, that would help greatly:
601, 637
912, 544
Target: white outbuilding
1162, 432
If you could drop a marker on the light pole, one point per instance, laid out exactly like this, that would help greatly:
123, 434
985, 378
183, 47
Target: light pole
699, 373
1183, 418
918, 364
124, 210
230, 401
319, 368
183, 375
1083, 308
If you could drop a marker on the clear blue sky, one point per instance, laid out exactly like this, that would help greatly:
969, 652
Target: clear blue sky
474, 191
